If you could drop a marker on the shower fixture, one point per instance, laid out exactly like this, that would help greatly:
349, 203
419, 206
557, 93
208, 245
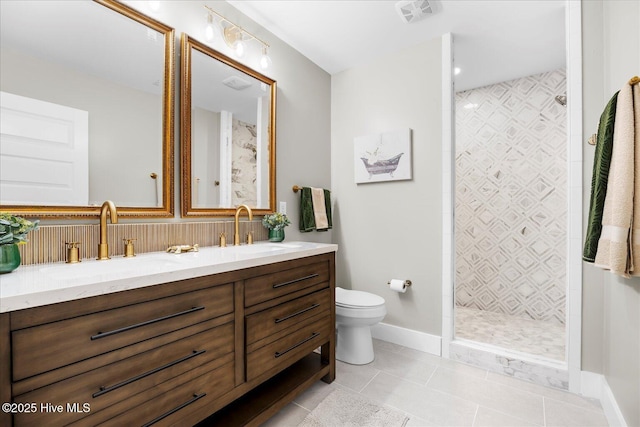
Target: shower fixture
562, 100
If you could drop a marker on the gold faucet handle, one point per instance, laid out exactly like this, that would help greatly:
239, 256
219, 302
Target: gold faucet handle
249, 238
223, 240
73, 252
129, 250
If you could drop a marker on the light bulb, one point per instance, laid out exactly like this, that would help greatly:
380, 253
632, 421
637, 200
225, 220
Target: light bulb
209, 32
239, 48
457, 71
265, 61
154, 5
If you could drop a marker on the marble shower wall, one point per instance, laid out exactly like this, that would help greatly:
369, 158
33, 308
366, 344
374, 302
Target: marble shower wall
244, 164
511, 202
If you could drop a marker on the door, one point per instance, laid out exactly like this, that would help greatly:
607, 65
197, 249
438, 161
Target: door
44, 153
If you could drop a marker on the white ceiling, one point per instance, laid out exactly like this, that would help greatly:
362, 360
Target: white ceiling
493, 40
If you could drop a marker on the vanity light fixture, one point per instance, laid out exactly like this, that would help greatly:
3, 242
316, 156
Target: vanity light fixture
234, 36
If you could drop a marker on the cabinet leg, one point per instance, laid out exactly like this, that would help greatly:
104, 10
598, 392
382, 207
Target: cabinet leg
328, 356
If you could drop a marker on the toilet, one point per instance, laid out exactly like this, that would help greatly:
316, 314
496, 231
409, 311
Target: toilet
356, 312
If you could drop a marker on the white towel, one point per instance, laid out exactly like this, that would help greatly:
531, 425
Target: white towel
319, 208
621, 209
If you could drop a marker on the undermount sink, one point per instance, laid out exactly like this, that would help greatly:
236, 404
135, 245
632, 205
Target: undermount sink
148, 264
93, 268
264, 247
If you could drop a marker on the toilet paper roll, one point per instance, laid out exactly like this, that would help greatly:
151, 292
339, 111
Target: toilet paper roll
398, 285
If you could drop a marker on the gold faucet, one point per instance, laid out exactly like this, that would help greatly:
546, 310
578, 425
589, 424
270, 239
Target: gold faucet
236, 237
103, 246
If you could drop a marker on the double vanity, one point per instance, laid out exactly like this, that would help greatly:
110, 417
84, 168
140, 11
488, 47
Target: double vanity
223, 336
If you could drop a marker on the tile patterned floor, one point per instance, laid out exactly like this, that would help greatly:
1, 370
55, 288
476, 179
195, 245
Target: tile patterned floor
433, 391
537, 337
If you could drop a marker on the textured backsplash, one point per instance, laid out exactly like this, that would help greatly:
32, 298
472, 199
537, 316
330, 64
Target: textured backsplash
47, 244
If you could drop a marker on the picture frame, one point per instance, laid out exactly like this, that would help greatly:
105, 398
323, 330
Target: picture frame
383, 157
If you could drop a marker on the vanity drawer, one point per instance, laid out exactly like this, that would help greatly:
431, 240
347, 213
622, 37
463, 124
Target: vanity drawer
178, 405
121, 380
46, 347
288, 349
269, 286
280, 317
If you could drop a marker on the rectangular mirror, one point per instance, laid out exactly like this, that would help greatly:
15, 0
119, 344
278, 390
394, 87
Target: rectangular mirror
87, 109
227, 132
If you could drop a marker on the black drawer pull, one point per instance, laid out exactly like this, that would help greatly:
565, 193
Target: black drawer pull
278, 354
148, 322
304, 310
291, 282
176, 409
105, 390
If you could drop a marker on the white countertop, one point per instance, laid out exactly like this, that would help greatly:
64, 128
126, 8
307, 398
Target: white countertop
37, 285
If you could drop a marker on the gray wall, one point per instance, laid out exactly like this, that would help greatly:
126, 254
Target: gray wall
391, 229
611, 305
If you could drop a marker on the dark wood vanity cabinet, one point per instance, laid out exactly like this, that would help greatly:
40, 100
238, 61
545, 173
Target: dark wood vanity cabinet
227, 349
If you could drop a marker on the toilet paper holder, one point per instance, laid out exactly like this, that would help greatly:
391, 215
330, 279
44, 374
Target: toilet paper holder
407, 283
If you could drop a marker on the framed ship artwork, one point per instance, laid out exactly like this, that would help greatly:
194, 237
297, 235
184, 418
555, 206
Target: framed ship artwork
382, 157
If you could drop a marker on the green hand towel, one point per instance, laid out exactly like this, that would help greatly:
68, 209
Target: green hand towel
600, 178
307, 219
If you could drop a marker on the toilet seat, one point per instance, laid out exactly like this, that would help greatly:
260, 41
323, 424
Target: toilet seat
357, 299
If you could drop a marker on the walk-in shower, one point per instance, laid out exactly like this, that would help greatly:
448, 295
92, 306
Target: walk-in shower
511, 214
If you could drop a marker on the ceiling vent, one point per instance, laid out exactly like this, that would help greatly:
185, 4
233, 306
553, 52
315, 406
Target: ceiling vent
236, 83
414, 10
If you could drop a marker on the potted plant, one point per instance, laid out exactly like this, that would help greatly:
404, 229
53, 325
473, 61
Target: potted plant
276, 223
13, 232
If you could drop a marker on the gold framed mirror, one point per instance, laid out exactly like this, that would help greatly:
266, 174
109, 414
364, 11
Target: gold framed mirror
227, 132
87, 110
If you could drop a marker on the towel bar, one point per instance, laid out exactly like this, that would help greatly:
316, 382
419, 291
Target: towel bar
296, 188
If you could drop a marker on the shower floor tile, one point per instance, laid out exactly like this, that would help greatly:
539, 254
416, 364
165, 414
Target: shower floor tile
538, 337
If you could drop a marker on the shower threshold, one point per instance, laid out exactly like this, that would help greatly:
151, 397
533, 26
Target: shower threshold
534, 337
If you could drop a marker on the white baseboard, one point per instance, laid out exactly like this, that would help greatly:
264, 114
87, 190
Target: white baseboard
408, 338
591, 384
595, 386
